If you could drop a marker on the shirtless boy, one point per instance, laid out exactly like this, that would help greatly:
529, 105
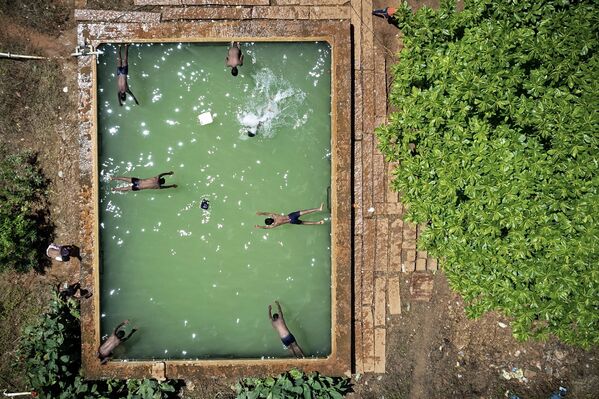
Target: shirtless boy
122, 70
234, 58
117, 337
137, 184
278, 323
275, 219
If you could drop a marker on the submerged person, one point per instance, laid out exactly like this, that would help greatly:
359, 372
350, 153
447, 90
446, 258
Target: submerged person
278, 323
253, 129
63, 253
276, 220
137, 184
234, 58
117, 337
387, 13
122, 71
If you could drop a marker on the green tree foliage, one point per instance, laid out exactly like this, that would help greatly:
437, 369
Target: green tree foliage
497, 140
293, 384
22, 211
51, 351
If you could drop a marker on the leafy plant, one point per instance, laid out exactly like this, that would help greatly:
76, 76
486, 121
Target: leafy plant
51, 351
22, 211
293, 384
497, 141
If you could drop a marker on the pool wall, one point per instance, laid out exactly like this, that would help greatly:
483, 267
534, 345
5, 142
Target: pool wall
337, 34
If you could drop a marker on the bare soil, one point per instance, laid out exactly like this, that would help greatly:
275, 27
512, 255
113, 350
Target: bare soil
433, 350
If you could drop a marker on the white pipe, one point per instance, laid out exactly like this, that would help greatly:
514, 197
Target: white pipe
21, 57
10, 395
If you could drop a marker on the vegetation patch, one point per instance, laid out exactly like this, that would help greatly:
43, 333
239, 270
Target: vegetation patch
31, 94
51, 352
23, 219
23, 297
293, 384
498, 145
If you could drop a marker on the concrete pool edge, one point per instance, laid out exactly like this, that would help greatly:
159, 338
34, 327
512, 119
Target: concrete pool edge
337, 34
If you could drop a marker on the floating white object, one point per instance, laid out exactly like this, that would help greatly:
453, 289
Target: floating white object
205, 118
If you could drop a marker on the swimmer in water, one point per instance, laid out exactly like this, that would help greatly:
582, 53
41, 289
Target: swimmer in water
278, 323
252, 131
234, 58
117, 337
143, 184
122, 71
276, 220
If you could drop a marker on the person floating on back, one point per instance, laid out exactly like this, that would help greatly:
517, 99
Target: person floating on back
63, 253
117, 337
293, 218
278, 323
143, 184
234, 58
122, 70
387, 13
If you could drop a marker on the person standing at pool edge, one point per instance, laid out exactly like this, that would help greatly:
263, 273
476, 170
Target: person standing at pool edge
122, 70
278, 323
63, 253
143, 184
234, 58
387, 13
276, 220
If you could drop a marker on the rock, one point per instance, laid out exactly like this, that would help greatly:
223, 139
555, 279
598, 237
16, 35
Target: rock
529, 374
560, 355
159, 371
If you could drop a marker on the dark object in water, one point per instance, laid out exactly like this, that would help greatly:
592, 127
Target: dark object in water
205, 204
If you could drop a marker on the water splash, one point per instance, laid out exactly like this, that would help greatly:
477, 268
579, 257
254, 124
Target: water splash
271, 106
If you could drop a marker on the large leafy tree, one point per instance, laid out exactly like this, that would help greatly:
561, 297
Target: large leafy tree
497, 138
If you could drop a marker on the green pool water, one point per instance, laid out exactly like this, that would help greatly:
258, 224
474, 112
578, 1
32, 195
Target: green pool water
198, 283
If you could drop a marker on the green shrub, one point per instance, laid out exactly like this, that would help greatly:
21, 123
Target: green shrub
23, 224
51, 351
497, 140
293, 384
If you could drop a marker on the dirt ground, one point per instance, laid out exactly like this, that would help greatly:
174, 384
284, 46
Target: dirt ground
433, 350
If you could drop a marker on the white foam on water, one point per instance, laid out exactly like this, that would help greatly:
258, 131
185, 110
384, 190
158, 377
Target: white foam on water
271, 106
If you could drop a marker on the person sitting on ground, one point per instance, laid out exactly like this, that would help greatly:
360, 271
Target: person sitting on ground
63, 253
278, 323
71, 290
117, 337
122, 71
293, 218
137, 184
387, 13
234, 58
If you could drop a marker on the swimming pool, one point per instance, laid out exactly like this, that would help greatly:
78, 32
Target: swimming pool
143, 357
197, 282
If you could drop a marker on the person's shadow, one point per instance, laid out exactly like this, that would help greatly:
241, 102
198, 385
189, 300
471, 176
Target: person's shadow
75, 252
